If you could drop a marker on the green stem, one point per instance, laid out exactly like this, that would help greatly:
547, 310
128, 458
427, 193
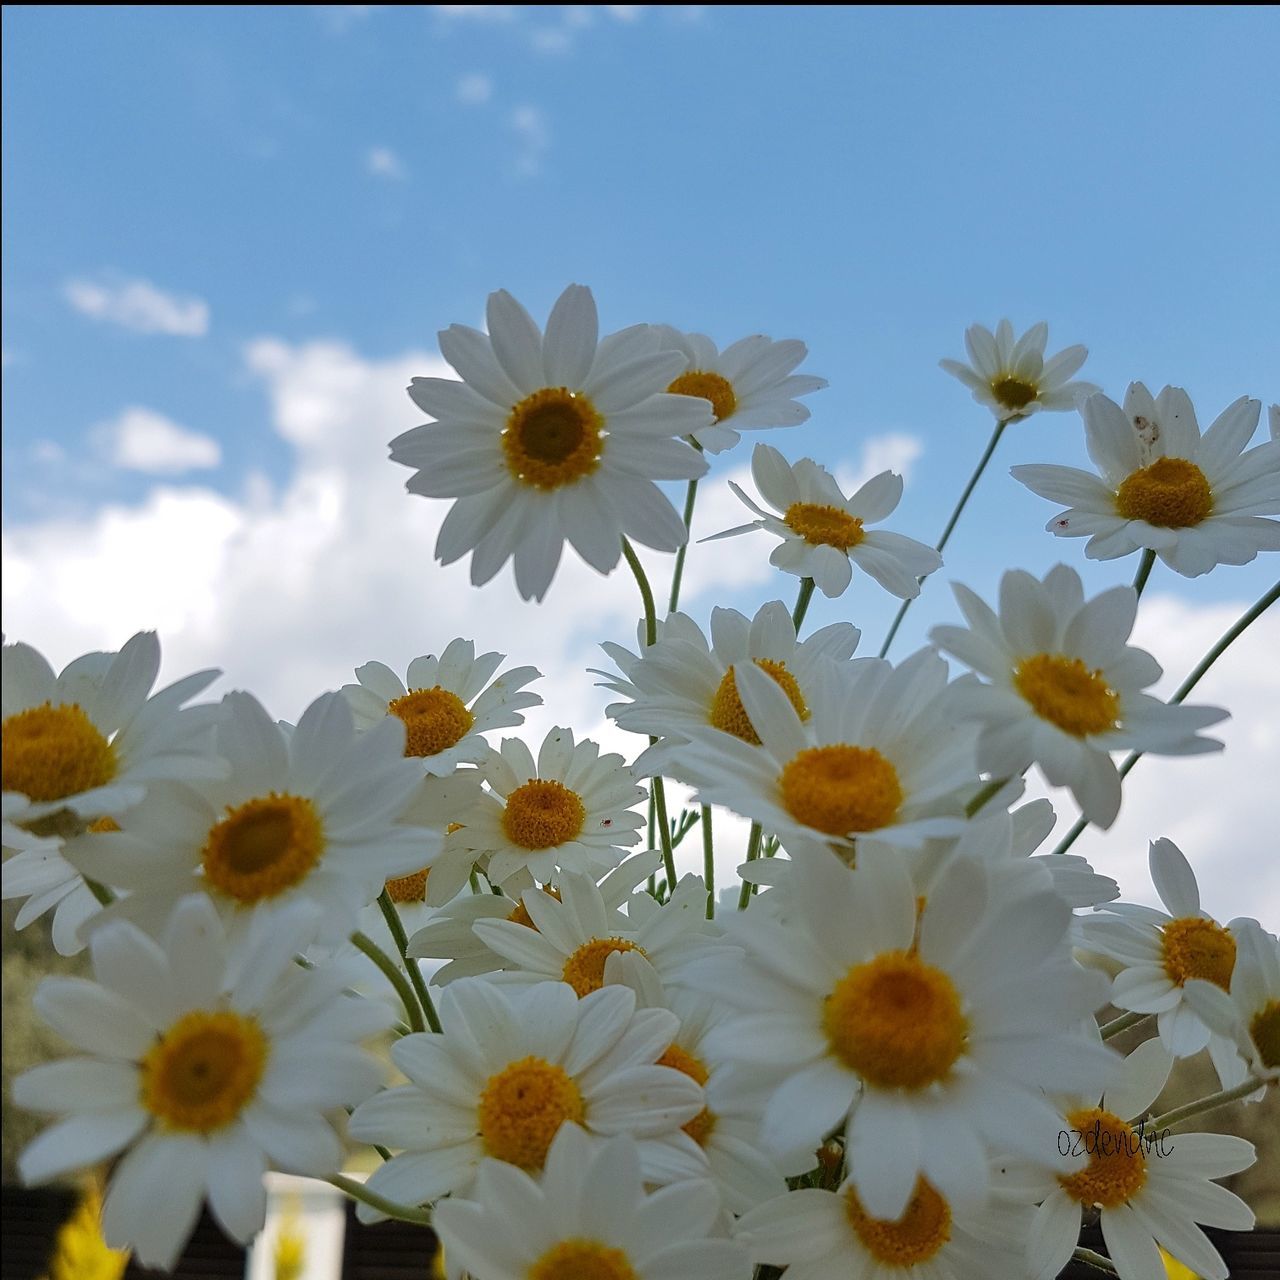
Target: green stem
802, 603
1229, 636
393, 975
646, 593
951, 524
708, 861
753, 852
1122, 1023
975, 805
1179, 1114
358, 1191
392, 917
1092, 1259
659, 792
100, 891
1144, 570
690, 497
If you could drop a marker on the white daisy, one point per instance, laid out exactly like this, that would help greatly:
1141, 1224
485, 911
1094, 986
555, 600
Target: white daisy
587, 1216
451, 936
207, 1066
1250, 1012
573, 809
682, 683
928, 1035
85, 744
1161, 951
310, 814
551, 438
443, 804
825, 1235
1066, 688
509, 1070
1151, 1187
728, 1127
749, 384
575, 933
1012, 377
824, 533
873, 757
1196, 501
446, 703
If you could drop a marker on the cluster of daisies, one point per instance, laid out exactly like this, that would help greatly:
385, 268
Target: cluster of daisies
879, 1058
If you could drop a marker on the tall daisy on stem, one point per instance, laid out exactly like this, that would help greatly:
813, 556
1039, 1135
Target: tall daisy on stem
551, 438
1014, 380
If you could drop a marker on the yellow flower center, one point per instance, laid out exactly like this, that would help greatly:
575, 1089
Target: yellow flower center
896, 1021
1066, 693
701, 1126
542, 814
51, 752
434, 720
841, 789
707, 386
263, 847
521, 1109
727, 712
521, 914
1012, 392
824, 526
582, 1260
202, 1072
553, 437
584, 970
1171, 493
410, 888
100, 826
1264, 1027
1117, 1167
925, 1226
1198, 948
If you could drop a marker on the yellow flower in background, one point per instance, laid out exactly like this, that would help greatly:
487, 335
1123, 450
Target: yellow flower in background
290, 1255
79, 1251
1176, 1269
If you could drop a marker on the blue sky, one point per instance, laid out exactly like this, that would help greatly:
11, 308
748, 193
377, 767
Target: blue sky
312, 192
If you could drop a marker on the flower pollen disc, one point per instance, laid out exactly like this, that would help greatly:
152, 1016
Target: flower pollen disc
52, 752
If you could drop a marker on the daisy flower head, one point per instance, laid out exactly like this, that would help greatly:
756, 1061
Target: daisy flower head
1065, 687
451, 935
510, 1070
587, 1216
1162, 951
1151, 1187
750, 384
728, 1127
1012, 377
309, 814
86, 743
1249, 1011
873, 758
204, 1065
682, 684
928, 1036
572, 809
1195, 500
825, 1235
824, 533
551, 437
447, 703
574, 933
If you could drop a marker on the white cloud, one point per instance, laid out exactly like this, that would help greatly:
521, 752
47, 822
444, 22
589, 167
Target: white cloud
474, 90
551, 39
139, 305
143, 440
48, 453
484, 13
625, 12
894, 451
382, 162
530, 125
